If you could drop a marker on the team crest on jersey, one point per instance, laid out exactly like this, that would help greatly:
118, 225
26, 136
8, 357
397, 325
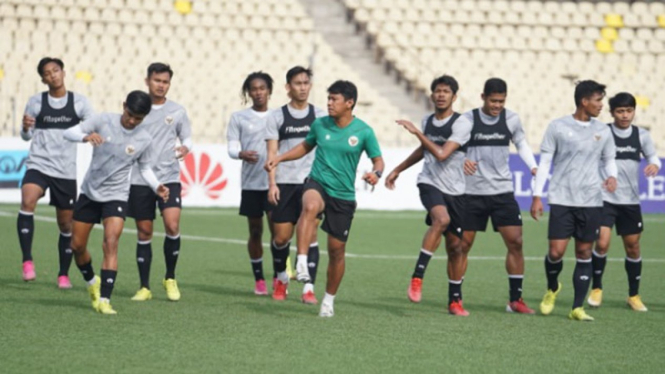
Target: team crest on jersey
168, 120
353, 141
130, 150
596, 137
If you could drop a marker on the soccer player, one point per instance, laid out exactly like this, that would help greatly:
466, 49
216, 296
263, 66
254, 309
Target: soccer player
623, 206
51, 163
441, 184
167, 123
287, 127
340, 138
574, 145
105, 189
246, 141
489, 182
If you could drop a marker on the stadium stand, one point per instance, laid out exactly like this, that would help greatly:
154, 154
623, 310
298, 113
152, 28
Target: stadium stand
211, 45
539, 47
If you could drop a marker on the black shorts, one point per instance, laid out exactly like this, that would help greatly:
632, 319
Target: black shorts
502, 209
62, 191
338, 213
582, 223
628, 218
431, 196
254, 203
90, 211
289, 205
142, 201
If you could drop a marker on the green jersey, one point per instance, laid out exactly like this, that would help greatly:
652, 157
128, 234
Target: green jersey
338, 153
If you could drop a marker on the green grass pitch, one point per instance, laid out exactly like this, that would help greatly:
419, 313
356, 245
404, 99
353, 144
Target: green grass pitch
221, 326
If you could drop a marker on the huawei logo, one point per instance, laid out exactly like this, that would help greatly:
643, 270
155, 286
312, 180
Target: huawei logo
199, 173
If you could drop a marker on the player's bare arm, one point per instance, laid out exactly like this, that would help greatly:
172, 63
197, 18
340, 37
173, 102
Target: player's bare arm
413, 159
373, 176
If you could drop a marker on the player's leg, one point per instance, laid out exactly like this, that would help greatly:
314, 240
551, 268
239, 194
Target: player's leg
339, 215
65, 255
512, 238
598, 261
86, 214
587, 228
457, 260
581, 278
630, 226
32, 189
313, 203
561, 227
633, 266
599, 254
308, 296
141, 207
438, 219
252, 207
113, 226
336, 268
171, 217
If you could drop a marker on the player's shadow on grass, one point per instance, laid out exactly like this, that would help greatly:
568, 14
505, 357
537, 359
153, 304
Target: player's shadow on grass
236, 273
282, 309
425, 305
19, 284
221, 290
78, 304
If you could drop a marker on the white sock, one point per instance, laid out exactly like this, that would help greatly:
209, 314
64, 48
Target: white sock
302, 259
103, 300
283, 277
308, 287
92, 281
328, 299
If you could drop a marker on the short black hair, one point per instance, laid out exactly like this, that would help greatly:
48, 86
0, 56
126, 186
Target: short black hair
138, 102
446, 80
47, 60
256, 75
586, 89
495, 85
622, 100
346, 89
159, 67
297, 70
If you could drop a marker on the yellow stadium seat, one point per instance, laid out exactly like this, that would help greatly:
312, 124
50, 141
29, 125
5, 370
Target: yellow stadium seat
614, 20
642, 101
604, 46
83, 75
609, 33
661, 20
183, 6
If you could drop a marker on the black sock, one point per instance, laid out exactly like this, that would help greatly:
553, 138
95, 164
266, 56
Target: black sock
552, 270
515, 284
598, 263
421, 264
634, 271
65, 253
171, 252
257, 268
144, 260
86, 271
279, 257
454, 291
25, 227
581, 279
108, 281
313, 261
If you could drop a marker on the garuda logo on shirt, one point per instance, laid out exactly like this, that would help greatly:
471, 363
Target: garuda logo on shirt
168, 120
201, 176
353, 140
130, 150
